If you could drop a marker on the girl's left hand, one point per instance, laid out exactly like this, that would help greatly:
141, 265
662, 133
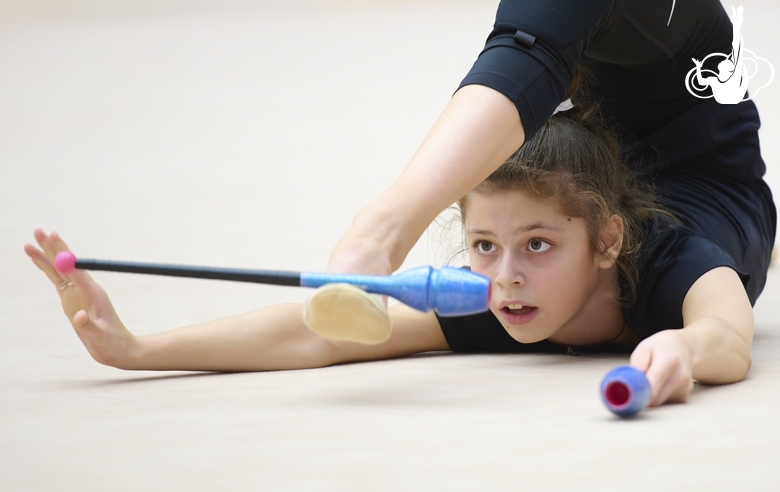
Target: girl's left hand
666, 361
86, 305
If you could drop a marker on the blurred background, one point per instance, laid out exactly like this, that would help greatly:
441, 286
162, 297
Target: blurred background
281, 119
225, 133
248, 134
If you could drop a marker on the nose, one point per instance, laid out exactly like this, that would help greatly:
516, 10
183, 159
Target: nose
509, 272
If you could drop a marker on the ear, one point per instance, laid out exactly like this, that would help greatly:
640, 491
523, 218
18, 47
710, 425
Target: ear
611, 242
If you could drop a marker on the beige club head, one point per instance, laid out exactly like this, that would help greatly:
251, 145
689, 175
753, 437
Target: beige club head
345, 312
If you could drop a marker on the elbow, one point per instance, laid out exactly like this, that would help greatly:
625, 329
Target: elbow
731, 369
742, 358
747, 363
742, 368
739, 370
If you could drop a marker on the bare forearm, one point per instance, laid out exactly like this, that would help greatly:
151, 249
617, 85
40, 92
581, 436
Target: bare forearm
718, 331
708, 350
268, 339
714, 345
718, 354
276, 338
476, 133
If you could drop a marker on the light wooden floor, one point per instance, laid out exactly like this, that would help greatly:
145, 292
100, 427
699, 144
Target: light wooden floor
248, 135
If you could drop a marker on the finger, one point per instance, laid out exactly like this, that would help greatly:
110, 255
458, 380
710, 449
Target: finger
658, 374
664, 393
641, 358
79, 277
58, 245
680, 387
43, 263
81, 321
51, 244
675, 390
84, 326
674, 382
43, 241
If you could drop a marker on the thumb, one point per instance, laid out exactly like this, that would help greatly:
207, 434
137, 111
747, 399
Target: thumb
81, 321
641, 358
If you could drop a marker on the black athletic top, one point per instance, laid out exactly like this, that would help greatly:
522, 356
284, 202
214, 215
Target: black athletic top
638, 50
703, 157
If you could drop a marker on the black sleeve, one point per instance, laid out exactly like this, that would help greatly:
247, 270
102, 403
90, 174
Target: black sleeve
675, 258
532, 52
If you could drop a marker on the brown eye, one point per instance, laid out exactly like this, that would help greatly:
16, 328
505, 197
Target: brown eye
485, 247
538, 245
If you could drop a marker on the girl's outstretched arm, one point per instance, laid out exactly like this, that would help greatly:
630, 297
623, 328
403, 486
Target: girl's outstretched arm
713, 347
268, 339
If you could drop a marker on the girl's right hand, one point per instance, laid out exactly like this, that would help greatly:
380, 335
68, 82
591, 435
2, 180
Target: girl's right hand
368, 245
359, 257
666, 361
86, 305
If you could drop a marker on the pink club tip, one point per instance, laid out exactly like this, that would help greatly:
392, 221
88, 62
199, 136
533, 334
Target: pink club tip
65, 262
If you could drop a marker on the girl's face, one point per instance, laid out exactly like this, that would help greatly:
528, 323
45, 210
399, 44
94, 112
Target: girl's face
543, 269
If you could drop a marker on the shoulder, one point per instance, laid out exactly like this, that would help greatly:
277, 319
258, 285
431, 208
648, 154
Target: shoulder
670, 262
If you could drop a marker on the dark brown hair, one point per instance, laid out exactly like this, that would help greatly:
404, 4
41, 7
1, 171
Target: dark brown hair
575, 161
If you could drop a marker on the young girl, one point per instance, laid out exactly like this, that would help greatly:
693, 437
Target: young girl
567, 236
704, 157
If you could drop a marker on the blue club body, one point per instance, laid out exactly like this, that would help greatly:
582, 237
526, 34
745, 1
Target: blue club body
448, 291
625, 391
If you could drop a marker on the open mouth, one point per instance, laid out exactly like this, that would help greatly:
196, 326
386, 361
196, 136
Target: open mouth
518, 309
519, 314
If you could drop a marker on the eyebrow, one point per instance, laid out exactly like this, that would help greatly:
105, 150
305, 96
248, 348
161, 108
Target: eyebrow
521, 229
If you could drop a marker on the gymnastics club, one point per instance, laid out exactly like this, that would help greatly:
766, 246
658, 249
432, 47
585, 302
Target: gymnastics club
625, 391
448, 291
